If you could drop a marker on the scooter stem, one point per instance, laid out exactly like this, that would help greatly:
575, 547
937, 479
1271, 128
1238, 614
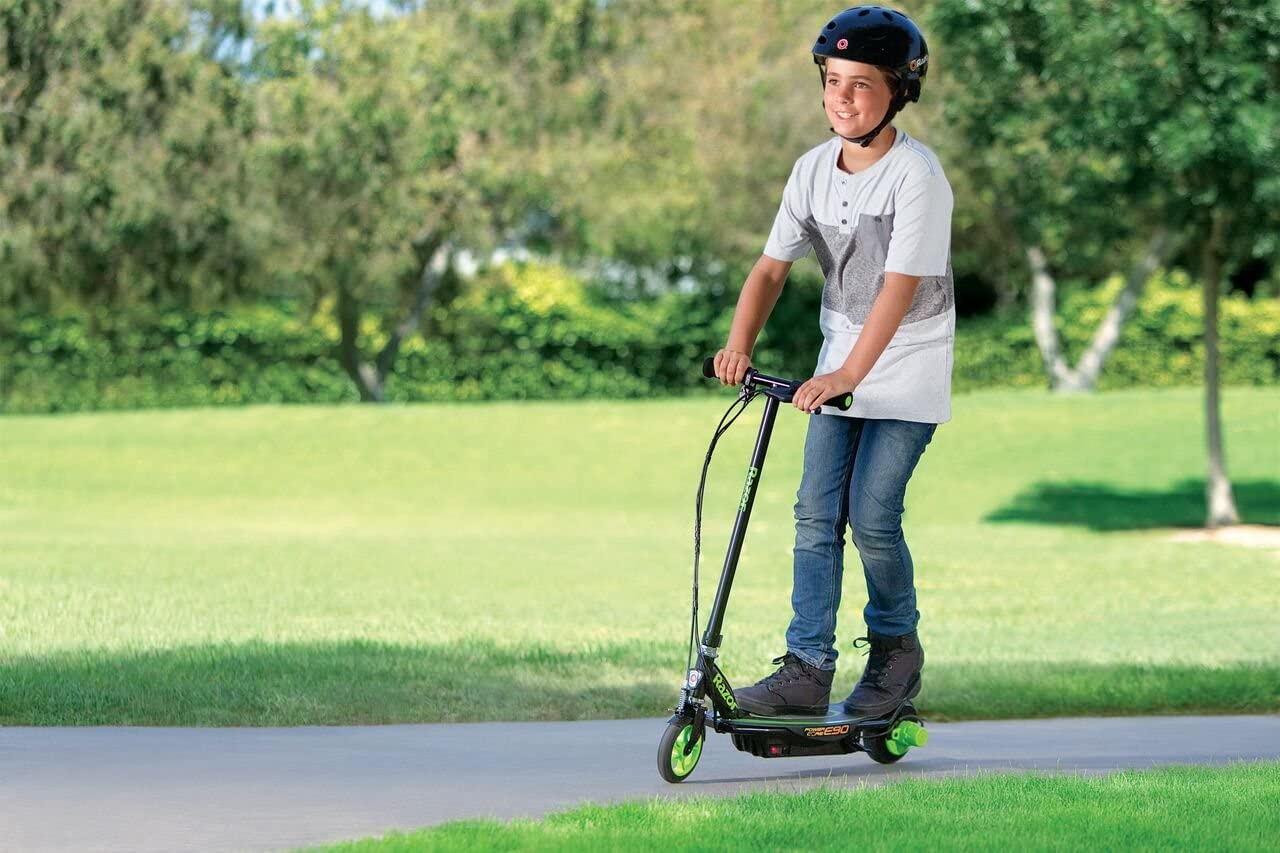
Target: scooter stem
711, 637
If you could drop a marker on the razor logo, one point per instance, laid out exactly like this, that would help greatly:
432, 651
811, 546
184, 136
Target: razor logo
725, 693
826, 731
752, 473
917, 64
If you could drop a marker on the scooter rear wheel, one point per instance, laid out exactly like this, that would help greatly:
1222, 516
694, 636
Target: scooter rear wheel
674, 764
889, 747
876, 747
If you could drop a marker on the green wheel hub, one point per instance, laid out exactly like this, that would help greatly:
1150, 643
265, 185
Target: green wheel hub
904, 736
682, 764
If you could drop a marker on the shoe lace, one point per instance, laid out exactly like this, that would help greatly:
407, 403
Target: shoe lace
792, 670
878, 660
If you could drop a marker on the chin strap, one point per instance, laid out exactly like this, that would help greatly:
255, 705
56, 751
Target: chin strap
866, 139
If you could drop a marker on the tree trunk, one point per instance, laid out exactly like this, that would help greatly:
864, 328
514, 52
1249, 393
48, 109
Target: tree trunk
431, 254
1218, 494
368, 383
1060, 376
371, 378
1084, 376
1108, 334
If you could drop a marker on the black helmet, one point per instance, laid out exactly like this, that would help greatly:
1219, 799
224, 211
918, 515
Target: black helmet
877, 36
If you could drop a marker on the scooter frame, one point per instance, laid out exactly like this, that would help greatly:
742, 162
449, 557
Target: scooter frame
835, 732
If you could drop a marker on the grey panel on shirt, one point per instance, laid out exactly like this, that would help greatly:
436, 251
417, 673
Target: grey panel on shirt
853, 264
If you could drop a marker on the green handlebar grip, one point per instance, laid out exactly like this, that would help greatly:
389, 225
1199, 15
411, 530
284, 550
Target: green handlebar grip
906, 735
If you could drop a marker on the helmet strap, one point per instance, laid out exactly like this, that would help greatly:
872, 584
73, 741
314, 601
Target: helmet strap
866, 139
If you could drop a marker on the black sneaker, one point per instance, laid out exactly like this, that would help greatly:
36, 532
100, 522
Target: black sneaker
892, 675
796, 688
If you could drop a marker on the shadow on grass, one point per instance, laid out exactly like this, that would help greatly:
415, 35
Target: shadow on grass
1103, 507
331, 683
359, 682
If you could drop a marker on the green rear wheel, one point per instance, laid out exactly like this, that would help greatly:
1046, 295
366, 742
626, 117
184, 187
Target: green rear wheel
676, 759
891, 746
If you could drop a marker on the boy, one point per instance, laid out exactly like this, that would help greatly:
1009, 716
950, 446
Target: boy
875, 206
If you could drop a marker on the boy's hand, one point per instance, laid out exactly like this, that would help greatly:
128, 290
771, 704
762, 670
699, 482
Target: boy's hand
732, 366
810, 396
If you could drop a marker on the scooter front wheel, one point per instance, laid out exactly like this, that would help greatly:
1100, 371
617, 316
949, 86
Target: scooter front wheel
679, 750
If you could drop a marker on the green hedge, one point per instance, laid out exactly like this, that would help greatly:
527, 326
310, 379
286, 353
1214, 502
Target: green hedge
531, 331
252, 355
1161, 345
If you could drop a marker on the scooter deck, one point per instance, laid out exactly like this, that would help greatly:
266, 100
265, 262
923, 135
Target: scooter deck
831, 718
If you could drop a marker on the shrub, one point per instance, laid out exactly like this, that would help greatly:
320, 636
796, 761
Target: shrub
1161, 345
535, 332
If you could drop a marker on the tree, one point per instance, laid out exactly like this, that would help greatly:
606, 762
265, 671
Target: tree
122, 142
394, 141
1041, 117
1216, 139
1104, 122
705, 106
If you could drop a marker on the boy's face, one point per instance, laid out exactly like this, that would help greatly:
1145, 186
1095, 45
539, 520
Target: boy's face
856, 96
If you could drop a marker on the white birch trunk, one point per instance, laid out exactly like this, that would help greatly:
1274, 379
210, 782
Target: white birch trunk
1084, 376
1042, 314
1108, 334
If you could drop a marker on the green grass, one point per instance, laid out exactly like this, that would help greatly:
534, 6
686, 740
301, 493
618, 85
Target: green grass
315, 565
1228, 808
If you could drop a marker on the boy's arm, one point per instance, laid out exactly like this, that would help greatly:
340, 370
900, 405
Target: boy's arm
756, 302
886, 315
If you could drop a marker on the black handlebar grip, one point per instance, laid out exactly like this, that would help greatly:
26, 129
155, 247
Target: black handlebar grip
841, 401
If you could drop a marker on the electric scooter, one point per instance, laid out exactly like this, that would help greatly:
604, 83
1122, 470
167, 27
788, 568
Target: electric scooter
885, 738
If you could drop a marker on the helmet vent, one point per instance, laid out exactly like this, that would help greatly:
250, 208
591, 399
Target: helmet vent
822, 39
863, 13
887, 16
831, 25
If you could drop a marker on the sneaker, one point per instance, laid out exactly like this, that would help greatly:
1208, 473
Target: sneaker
796, 688
892, 675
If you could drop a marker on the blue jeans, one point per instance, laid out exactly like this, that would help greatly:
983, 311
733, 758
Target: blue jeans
855, 474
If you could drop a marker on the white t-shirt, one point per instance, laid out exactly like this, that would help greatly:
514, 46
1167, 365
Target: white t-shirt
893, 216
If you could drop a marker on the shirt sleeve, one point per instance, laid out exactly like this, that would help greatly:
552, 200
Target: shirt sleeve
921, 240
789, 241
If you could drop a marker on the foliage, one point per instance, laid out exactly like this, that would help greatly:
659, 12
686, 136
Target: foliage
1093, 123
537, 332
142, 359
1161, 345
122, 143
705, 109
390, 139
161, 149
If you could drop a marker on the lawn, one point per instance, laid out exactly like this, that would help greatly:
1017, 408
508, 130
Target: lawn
1179, 808
317, 565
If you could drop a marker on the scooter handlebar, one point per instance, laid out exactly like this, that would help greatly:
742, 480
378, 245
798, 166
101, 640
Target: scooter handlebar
789, 386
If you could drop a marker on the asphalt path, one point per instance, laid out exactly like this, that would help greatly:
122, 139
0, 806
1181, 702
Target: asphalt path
154, 789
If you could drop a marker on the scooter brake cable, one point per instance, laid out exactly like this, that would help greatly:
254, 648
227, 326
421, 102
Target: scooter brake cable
745, 396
